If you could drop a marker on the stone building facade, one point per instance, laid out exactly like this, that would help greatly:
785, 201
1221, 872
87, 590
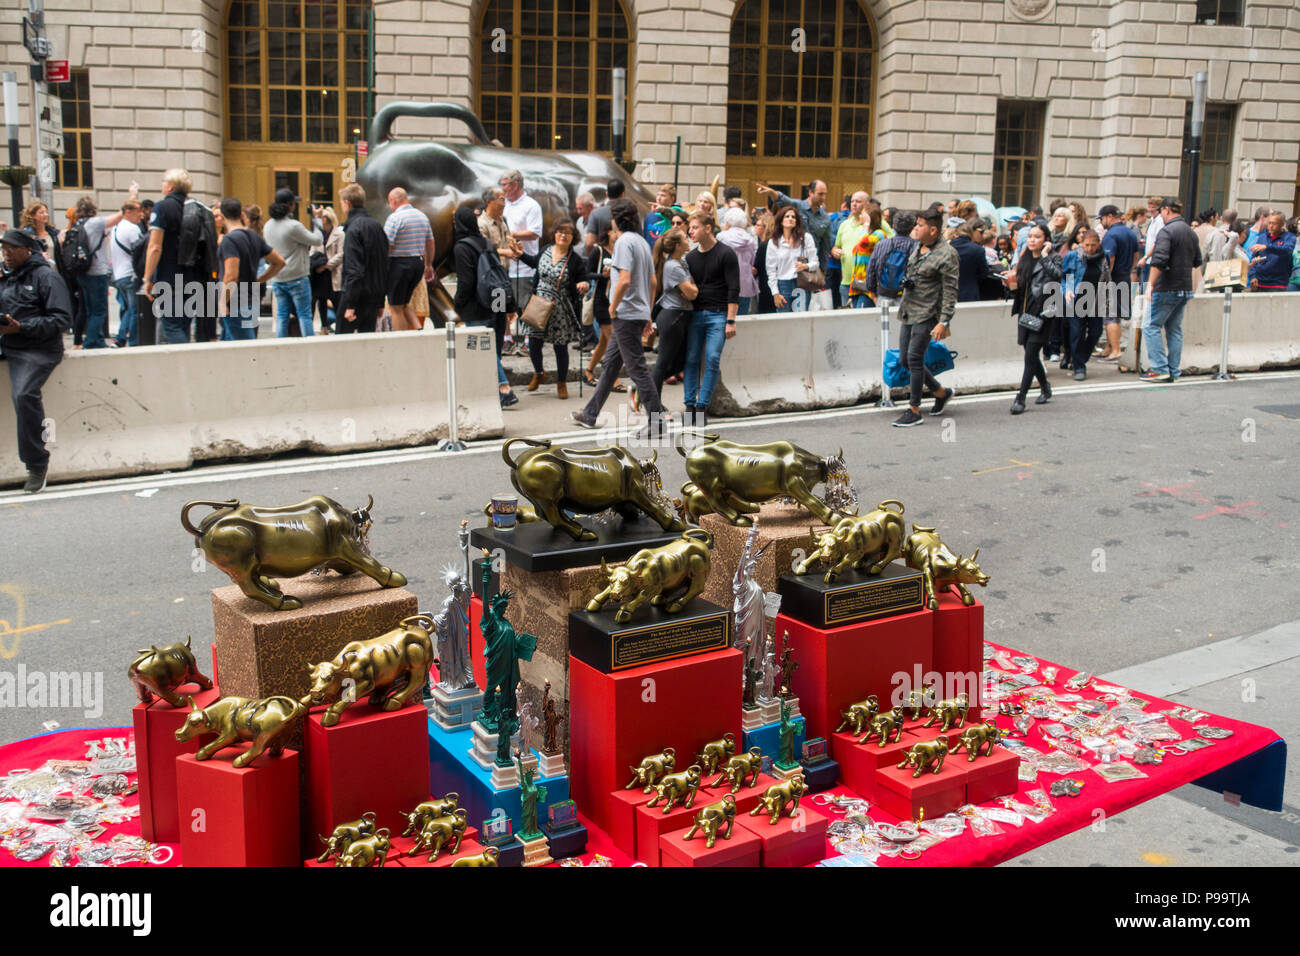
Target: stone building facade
1108, 80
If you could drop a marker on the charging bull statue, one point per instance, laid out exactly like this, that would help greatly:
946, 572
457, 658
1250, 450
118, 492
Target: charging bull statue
941, 569
251, 544
877, 536
160, 670
561, 482
653, 574
345, 834
391, 669
266, 721
734, 480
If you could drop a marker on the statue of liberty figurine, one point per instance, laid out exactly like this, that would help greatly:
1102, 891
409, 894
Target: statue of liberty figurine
747, 607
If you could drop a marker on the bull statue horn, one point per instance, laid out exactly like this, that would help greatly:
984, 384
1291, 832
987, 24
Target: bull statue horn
188, 638
654, 455
193, 706
370, 502
975, 555
840, 456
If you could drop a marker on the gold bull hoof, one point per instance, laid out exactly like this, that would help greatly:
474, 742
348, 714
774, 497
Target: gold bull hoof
395, 579
289, 603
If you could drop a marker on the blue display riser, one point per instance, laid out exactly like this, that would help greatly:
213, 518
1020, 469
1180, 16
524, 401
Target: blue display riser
768, 738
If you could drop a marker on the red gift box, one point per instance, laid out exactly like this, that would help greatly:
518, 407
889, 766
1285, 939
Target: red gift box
997, 775
791, 841
959, 649
156, 750
845, 664
469, 846
746, 797
232, 816
621, 809
371, 760
615, 720
652, 823
743, 849
933, 794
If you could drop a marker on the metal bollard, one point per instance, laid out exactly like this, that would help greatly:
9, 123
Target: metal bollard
1222, 374
441, 301
886, 399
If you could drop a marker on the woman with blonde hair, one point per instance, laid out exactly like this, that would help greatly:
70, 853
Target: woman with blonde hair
35, 221
764, 229
326, 264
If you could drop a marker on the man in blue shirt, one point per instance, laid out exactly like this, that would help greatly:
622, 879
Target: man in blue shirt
1120, 245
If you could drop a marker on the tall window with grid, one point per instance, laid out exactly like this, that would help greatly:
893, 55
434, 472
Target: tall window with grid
1216, 159
1223, 13
297, 70
1018, 152
75, 168
800, 80
545, 71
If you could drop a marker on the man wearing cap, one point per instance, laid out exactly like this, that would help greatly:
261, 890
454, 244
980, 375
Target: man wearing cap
1176, 254
1120, 246
35, 311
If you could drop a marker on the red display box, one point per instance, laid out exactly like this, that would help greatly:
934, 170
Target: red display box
935, 794
621, 820
791, 841
746, 797
743, 849
371, 760
652, 823
389, 861
845, 664
245, 816
156, 750
959, 649
997, 775
615, 720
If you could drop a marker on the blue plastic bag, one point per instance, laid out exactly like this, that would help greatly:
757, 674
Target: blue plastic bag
938, 359
895, 372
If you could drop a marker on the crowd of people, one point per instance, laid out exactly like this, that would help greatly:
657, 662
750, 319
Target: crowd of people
614, 284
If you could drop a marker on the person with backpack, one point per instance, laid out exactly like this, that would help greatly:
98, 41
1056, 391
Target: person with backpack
241, 253
125, 242
85, 259
483, 292
168, 272
888, 263
925, 311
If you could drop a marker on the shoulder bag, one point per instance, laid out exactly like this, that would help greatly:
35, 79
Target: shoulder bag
538, 311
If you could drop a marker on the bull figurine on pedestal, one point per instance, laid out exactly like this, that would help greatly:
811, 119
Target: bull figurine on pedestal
877, 537
390, 669
941, 568
251, 544
561, 482
680, 567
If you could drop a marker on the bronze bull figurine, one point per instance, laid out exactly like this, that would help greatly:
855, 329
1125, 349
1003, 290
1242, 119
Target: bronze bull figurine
876, 537
369, 850
680, 567
949, 713
941, 569
734, 480
777, 797
692, 504
711, 818
487, 858
737, 768
885, 725
927, 755
677, 788
345, 834
251, 544
266, 721
715, 751
426, 811
437, 832
651, 770
859, 715
563, 482
391, 669
974, 739
919, 701
160, 670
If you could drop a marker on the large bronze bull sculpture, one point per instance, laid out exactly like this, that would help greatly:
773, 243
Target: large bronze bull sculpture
562, 482
735, 479
251, 544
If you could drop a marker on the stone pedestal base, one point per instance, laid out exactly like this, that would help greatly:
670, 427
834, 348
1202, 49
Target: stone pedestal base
751, 718
484, 753
452, 710
781, 529
552, 765
785, 773
537, 851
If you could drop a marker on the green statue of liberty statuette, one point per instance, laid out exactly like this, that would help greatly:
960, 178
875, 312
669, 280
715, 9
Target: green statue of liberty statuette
503, 649
530, 794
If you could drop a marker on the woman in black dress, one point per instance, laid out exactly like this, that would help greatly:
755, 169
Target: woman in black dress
562, 278
1037, 285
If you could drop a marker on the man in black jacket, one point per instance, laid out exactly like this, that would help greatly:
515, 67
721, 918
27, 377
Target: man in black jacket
35, 311
364, 277
1173, 258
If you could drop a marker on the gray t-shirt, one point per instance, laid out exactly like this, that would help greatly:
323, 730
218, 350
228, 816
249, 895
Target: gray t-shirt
599, 221
675, 273
101, 266
633, 255
292, 240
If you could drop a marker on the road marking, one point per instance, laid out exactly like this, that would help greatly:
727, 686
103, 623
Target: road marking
492, 446
1175, 673
1014, 464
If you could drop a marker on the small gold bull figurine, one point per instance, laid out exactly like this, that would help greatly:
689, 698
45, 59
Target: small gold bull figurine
950, 712
875, 538
735, 770
777, 797
692, 504
919, 701
941, 568
859, 715
711, 817
885, 725
975, 737
927, 755
678, 787
715, 751
437, 832
391, 669
426, 811
345, 834
651, 769
680, 567
487, 858
266, 721
160, 670
367, 851
253, 544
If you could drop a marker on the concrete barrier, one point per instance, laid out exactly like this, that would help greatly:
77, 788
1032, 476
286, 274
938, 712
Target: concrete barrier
130, 411
1264, 333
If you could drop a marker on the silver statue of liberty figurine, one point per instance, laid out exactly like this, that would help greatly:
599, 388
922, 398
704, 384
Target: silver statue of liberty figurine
747, 607
451, 624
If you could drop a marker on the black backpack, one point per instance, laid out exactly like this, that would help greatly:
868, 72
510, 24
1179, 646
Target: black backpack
138, 251
197, 245
491, 276
77, 255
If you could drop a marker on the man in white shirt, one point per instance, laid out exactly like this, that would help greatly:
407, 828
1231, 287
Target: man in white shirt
524, 217
122, 239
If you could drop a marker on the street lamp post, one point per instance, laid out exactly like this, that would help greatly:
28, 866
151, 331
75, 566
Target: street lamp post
1199, 84
11, 128
617, 111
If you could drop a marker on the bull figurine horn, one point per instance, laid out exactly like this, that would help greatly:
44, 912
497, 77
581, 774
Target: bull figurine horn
654, 455
188, 638
193, 706
370, 502
975, 555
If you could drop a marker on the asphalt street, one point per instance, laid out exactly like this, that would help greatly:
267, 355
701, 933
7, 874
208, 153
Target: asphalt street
1119, 526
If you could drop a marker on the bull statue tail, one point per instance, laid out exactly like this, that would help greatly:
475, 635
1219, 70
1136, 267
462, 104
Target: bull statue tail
218, 505
505, 449
917, 529
681, 435
699, 534
422, 620
890, 501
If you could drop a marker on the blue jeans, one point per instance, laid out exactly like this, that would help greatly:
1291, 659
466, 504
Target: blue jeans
1165, 322
297, 291
705, 337
744, 304
796, 299
94, 293
240, 324
128, 331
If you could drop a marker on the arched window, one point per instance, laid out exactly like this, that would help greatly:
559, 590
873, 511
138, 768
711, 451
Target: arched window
545, 71
800, 83
298, 71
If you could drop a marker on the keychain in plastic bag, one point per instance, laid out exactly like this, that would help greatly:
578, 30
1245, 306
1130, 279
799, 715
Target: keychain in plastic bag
946, 826
982, 826
1079, 681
